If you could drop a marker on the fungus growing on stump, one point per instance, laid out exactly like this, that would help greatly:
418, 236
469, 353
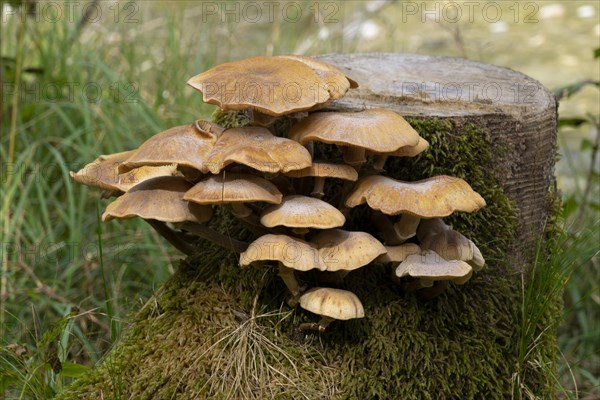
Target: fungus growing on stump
187, 169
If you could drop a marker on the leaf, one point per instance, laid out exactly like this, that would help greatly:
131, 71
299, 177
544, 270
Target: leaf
569, 90
569, 206
586, 144
597, 53
575, 121
73, 370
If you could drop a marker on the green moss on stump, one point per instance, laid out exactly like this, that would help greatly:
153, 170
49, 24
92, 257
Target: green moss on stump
461, 345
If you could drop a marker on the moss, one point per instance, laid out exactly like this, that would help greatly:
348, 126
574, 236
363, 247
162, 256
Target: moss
461, 345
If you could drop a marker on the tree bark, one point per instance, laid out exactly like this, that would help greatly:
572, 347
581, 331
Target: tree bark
216, 331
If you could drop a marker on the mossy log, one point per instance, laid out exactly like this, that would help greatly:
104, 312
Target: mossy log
215, 331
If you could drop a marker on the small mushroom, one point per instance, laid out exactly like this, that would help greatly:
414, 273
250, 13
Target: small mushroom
322, 170
235, 189
434, 197
159, 199
378, 130
257, 148
434, 234
331, 304
301, 213
429, 267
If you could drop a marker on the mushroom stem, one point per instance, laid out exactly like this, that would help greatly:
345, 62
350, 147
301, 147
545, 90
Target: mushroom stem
406, 227
213, 236
386, 227
379, 162
318, 188
432, 292
240, 210
417, 284
354, 156
287, 274
173, 237
316, 326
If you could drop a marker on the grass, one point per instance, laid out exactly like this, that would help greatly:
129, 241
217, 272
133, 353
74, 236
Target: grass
66, 292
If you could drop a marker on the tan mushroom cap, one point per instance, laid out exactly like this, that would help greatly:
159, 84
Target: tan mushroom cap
326, 170
102, 173
259, 149
435, 235
333, 303
271, 85
431, 266
160, 199
343, 250
438, 196
291, 252
398, 253
332, 251
337, 82
409, 151
233, 188
186, 145
379, 130
298, 211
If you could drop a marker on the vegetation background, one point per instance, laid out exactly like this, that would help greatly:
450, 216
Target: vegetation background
79, 79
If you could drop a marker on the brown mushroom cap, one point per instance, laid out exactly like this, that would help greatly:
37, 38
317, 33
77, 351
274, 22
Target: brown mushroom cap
102, 173
333, 250
434, 197
435, 235
337, 82
160, 199
271, 85
233, 188
333, 303
379, 130
186, 145
343, 250
326, 170
410, 151
399, 253
291, 252
431, 266
259, 149
298, 211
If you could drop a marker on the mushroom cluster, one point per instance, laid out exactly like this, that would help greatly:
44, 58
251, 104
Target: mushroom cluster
277, 180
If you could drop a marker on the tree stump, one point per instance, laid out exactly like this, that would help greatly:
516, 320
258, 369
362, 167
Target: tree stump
216, 331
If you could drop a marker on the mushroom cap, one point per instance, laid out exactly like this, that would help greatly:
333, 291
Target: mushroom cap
326, 170
343, 250
337, 83
271, 85
186, 145
379, 130
438, 196
399, 253
298, 211
233, 188
435, 235
259, 149
158, 198
102, 173
127, 180
431, 266
332, 250
333, 303
291, 252
410, 151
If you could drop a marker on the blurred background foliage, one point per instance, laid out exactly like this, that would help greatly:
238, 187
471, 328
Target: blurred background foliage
79, 79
